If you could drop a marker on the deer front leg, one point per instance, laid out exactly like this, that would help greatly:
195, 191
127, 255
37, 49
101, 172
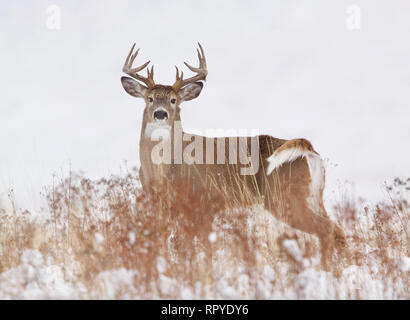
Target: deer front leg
143, 181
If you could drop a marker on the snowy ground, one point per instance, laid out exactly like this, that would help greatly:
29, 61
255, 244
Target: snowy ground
282, 264
36, 278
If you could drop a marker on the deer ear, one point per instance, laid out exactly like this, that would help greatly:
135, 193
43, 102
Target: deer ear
133, 87
191, 91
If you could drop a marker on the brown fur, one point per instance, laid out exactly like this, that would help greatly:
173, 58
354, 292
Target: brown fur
301, 144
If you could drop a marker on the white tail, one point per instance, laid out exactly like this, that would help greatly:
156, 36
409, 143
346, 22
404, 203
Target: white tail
277, 159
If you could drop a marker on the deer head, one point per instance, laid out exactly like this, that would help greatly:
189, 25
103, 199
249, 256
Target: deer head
162, 102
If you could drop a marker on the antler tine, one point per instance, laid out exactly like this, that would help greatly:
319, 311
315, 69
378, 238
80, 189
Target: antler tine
150, 73
177, 71
129, 55
134, 56
201, 58
202, 51
177, 76
201, 71
133, 72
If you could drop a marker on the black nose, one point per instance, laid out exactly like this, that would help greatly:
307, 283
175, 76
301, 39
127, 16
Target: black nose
160, 115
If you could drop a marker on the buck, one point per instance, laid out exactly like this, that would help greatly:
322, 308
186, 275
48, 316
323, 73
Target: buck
286, 176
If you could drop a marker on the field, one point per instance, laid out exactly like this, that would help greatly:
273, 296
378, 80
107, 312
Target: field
107, 239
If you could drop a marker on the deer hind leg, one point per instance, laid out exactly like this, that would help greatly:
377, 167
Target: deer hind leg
315, 198
297, 214
293, 193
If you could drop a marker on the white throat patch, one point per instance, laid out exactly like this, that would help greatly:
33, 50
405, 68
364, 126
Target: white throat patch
157, 129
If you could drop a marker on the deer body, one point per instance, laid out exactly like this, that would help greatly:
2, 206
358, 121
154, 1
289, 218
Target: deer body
287, 176
212, 177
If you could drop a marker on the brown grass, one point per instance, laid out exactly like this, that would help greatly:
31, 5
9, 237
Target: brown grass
184, 238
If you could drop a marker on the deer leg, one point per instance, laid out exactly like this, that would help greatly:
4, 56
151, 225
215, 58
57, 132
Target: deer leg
143, 181
297, 214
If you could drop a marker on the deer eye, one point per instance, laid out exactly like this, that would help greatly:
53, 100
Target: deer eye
150, 99
173, 100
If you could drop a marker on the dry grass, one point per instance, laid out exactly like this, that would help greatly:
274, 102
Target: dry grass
110, 239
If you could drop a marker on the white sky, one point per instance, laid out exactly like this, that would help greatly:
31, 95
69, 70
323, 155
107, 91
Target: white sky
288, 68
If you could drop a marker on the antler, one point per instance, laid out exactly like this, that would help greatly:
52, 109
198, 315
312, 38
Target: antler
133, 72
201, 72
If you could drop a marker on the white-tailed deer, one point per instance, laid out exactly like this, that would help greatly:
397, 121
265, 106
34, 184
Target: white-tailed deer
287, 176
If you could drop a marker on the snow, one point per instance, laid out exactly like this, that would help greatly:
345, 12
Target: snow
161, 264
35, 278
131, 237
212, 237
405, 264
292, 247
114, 284
98, 241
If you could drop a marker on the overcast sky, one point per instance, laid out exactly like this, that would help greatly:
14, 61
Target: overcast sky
288, 68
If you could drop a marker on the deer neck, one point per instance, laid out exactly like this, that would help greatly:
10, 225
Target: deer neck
152, 132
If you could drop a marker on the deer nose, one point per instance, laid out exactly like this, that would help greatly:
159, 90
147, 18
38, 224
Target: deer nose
160, 115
